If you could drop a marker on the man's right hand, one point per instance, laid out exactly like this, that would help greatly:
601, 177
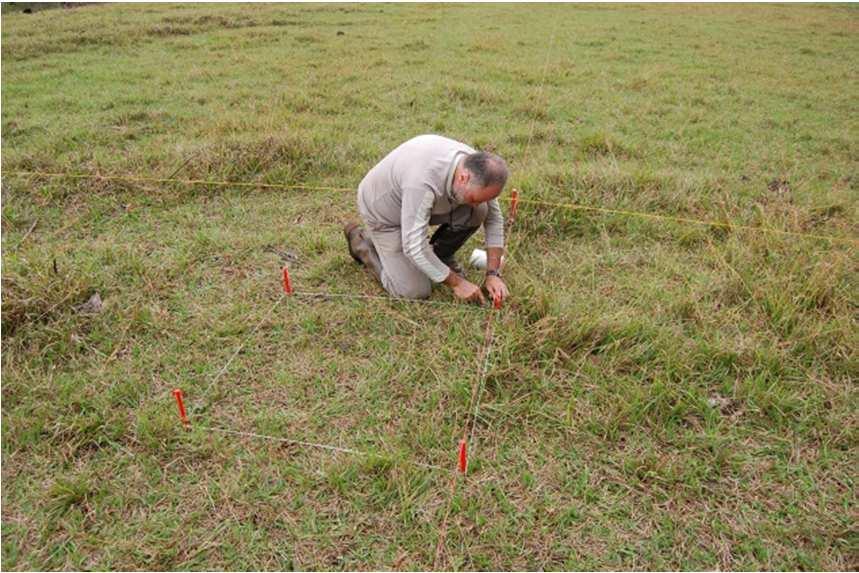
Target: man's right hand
468, 292
464, 290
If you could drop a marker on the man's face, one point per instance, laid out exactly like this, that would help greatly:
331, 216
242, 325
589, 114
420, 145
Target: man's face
468, 194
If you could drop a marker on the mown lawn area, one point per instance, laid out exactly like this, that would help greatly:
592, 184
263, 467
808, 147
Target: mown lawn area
659, 395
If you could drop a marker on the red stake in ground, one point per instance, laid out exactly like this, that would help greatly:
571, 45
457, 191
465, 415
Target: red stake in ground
496, 302
463, 457
287, 283
179, 402
514, 204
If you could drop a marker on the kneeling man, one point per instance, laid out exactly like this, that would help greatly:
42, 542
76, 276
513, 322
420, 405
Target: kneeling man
430, 180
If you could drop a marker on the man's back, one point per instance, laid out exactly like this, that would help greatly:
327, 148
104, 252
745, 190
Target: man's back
425, 162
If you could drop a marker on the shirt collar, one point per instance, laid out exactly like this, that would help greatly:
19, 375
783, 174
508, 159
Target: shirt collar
448, 186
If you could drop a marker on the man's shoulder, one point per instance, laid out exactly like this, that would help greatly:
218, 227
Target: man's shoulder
425, 161
433, 140
430, 138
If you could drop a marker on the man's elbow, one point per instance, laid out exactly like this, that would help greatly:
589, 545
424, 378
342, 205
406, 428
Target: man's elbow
413, 254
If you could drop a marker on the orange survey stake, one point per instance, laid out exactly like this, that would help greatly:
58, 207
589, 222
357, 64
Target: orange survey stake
496, 302
287, 282
514, 203
181, 404
463, 457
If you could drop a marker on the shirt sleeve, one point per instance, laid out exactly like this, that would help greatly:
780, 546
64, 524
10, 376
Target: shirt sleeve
416, 211
493, 225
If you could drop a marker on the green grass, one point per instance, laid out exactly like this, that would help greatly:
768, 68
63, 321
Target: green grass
660, 396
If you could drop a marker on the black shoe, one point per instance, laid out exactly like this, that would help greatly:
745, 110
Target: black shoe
354, 237
362, 249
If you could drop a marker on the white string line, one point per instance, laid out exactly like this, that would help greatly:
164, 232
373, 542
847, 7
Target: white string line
549, 50
242, 345
322, 295
312, 445
490, 334
260, 323
527, 152
481, 380
311, 294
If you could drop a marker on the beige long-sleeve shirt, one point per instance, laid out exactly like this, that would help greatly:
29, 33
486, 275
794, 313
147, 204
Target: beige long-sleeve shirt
410, 188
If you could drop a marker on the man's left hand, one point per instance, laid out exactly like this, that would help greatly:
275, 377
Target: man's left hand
496, 287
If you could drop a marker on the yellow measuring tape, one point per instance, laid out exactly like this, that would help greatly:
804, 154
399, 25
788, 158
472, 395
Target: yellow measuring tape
685, 220
574, 206
183, 181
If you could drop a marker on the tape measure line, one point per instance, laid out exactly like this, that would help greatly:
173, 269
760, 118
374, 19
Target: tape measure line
689, 221
574, 206
219, 183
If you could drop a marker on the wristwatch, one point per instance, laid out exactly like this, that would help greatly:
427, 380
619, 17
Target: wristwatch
493, 273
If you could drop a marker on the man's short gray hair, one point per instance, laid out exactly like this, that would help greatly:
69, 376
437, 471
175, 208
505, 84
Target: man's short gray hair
486, 168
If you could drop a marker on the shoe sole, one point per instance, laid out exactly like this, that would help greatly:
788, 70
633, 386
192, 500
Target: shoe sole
348, 231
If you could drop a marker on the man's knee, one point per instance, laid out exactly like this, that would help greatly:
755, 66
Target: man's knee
412, 289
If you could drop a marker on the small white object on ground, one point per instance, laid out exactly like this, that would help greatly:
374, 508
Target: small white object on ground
478, 259
92, 306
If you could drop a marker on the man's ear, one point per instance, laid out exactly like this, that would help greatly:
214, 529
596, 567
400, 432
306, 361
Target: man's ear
464, 176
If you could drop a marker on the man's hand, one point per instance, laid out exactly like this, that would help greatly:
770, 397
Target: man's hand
464, 290
496, 288
468, 292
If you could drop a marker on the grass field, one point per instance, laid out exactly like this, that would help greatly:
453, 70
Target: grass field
659, 395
